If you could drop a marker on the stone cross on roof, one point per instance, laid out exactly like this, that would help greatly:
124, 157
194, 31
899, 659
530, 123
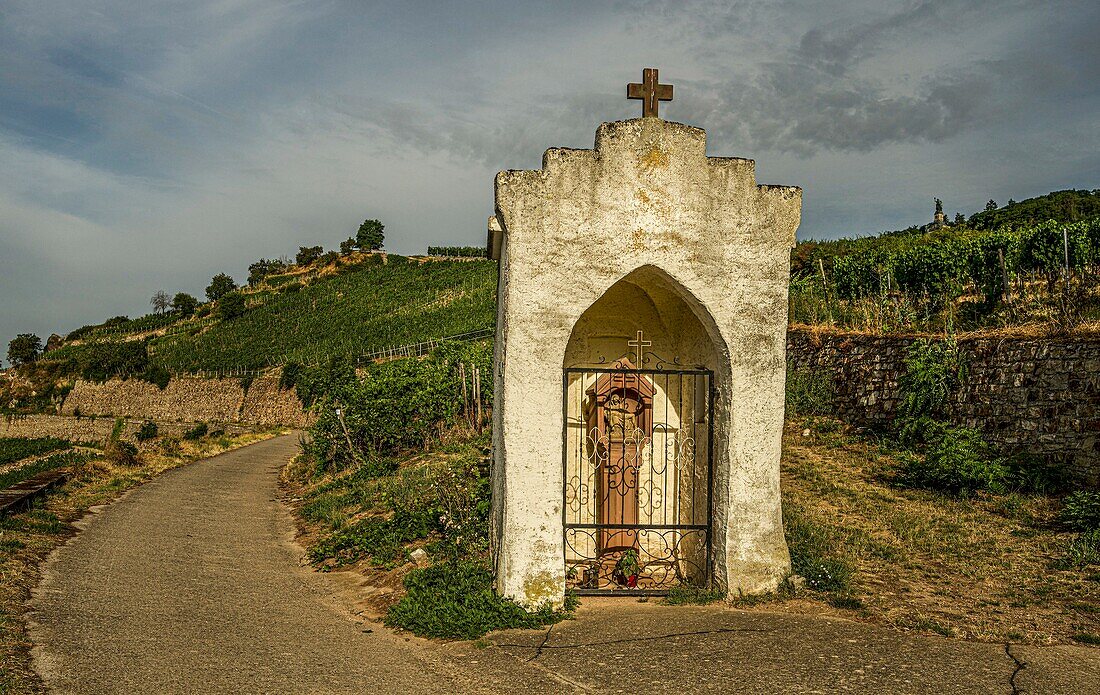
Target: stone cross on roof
649, 91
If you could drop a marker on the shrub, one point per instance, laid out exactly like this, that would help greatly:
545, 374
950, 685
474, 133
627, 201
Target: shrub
292, 287
1035, 474
398, 405
197, 432
1081, 511
156, 374
933, 370
147, 431
1080, 552
957, 461
231, 305
810, 392
121, 453
455, 599
288, 378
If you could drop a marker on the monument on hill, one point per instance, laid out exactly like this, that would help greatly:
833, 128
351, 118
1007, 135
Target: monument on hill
640, 366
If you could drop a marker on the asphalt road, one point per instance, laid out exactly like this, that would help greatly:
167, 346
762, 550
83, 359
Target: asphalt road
192, 584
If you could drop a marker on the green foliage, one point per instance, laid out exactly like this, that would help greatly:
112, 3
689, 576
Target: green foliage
231, 305
147, 431
816, 552
288, 377
1086, 638
957, 460
368, 307
933, 371
395, 406
457, 251
1081, 511
308, 254
1037, 475
809, 391
122, 453
49, 463
16, 448
197, 432
1080, 552
155, 374
455, 599
379, 539
691, 595
261, 269
933, 271
100, 361
184, 304
347, 246
1062, 206
24, 349
370, 236
220, 285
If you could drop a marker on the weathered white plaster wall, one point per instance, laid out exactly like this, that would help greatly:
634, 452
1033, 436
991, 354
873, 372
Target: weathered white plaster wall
702, 233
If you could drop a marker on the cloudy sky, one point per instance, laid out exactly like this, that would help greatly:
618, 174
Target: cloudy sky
148, 145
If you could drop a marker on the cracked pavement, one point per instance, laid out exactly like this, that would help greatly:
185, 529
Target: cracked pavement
192, 583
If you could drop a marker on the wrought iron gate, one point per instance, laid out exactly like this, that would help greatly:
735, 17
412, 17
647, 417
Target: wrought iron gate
638, 475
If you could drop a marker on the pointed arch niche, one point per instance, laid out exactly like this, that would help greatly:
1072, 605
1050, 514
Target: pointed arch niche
654, 474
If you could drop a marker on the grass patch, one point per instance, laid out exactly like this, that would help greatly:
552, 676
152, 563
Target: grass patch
1086, 638
1081, 511
47, 464
455, 599
691, 595
17, 448
815, 552
1081, 552
809, 391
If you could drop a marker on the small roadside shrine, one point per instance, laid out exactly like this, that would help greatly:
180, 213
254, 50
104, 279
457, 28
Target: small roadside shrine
640, 366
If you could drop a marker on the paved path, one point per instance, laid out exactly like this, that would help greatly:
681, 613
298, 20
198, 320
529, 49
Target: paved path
191, 584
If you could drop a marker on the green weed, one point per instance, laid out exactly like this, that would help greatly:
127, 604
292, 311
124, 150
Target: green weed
455, 599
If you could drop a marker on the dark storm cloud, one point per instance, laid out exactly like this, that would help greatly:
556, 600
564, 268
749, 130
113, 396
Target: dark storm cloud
149, 145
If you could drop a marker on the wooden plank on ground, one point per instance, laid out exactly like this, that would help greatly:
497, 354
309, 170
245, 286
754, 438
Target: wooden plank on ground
22, 492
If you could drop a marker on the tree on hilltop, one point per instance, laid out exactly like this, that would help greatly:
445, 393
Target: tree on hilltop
220, 285
160, 301
991, 205
370, 236
184, 303
308, 254
347, 246
24, 349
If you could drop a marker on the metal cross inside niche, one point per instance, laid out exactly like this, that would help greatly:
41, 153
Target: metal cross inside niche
650, 91
639, 344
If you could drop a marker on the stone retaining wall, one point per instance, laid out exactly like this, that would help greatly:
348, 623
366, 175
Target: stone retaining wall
190, 399
1035, 395
90, 430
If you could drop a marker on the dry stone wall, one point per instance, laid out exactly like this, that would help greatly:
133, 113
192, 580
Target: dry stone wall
1035, 395
190, 399
88, 429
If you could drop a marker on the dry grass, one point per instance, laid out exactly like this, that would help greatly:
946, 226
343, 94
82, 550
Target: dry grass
26, 539
978, 568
